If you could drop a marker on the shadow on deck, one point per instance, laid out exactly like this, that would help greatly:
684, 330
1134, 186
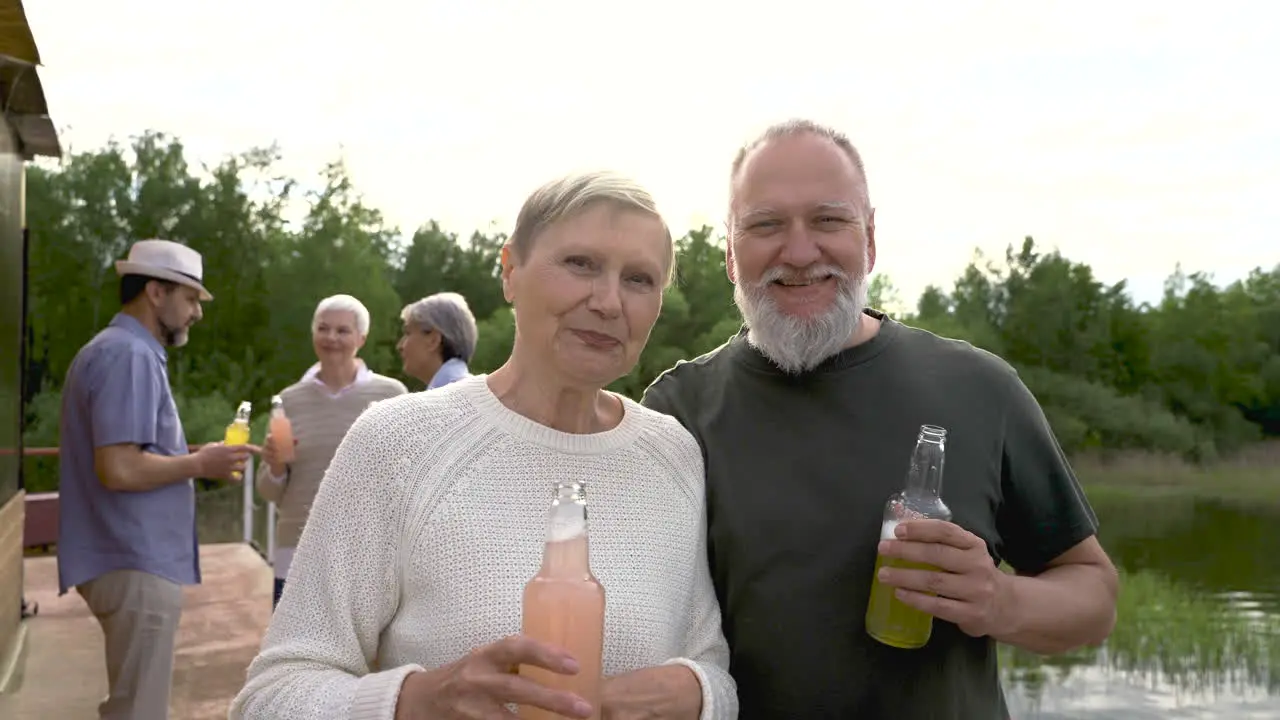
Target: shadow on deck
62, 673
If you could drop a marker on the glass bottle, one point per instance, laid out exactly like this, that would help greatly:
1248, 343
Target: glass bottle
238, 430
564, 602
281, 430
890, 620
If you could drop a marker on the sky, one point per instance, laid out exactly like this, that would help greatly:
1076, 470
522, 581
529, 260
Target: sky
1130, 135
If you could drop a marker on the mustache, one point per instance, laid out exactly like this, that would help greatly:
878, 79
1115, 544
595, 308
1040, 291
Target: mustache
813, 272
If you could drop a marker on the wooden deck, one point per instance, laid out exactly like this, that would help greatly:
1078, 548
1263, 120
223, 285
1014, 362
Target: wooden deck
62, 673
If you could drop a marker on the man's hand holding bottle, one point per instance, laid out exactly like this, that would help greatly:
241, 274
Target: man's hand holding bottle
219, 461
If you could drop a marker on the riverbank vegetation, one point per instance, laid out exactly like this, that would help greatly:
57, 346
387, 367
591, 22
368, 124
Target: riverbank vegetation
1249, 476
1200, 646
1195, 376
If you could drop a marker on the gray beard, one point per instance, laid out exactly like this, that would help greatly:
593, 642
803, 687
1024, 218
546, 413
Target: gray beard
173, 337
797, 344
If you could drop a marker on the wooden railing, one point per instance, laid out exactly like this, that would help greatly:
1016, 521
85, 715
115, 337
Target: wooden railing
54, 452
40, 528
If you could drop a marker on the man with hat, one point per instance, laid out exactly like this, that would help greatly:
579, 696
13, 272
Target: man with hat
127, 540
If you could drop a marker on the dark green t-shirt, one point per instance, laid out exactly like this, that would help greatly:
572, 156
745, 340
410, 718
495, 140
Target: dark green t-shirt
798, 472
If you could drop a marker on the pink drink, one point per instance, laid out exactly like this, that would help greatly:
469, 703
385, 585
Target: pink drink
564, 603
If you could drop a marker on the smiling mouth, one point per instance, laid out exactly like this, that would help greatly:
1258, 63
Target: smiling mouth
596, 339
802, 282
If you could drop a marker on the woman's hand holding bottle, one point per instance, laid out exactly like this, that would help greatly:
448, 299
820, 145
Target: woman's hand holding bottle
272, 455
481, 684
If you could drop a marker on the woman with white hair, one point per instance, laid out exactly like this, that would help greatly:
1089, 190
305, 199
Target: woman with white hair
406, 600
321, 408
439, 339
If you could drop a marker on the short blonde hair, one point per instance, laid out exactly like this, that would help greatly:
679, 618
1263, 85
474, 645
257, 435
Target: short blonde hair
568, 196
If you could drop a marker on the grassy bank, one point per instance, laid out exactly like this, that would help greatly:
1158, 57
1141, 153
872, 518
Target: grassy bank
1251, 476
1166, 633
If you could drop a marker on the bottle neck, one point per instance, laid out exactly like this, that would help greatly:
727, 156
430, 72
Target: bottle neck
925, 478
566, 552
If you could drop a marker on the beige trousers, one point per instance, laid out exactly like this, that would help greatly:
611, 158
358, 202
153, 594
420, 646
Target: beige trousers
139, 615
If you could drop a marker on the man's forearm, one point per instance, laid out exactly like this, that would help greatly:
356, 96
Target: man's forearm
1061, 609
666, 692
139, 471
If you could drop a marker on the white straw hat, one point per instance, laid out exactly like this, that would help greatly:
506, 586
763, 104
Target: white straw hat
165, 260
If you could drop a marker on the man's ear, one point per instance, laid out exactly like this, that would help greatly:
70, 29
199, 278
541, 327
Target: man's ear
871, 241
728, 254
156, 292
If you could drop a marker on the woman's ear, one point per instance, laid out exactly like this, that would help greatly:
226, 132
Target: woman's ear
508, 265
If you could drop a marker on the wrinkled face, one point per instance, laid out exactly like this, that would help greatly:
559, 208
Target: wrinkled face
335, 337
801, 245
588, 293
419, 351
177, 308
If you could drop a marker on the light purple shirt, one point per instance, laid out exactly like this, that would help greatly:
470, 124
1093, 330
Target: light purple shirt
453, 370
117, 392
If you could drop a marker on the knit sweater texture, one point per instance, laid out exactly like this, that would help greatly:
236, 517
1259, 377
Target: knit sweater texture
432, 518
319, 420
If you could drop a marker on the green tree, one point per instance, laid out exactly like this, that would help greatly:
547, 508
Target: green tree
1197, 373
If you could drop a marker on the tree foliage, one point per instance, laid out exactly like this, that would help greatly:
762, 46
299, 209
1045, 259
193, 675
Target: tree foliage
1196, 374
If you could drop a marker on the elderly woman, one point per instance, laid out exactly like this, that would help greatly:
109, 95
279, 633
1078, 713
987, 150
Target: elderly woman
439, 339
321, 408
405, 600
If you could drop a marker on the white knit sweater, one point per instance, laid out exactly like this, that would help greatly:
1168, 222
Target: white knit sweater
431, 519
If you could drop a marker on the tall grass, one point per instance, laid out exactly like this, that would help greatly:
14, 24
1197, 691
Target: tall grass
1167, 633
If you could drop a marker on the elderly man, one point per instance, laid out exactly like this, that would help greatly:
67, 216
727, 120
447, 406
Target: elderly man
439, 339
807, 418
127, 539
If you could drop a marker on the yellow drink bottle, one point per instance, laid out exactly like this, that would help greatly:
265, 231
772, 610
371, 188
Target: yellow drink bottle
890, 620
238, 430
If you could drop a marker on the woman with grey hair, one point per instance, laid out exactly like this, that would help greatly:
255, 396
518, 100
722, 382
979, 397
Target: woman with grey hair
321, 408
406, 600
439, 339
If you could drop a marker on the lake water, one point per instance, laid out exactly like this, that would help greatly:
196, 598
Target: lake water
1198, 634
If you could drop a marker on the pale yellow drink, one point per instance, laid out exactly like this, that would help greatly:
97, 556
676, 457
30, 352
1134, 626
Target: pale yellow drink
888, 619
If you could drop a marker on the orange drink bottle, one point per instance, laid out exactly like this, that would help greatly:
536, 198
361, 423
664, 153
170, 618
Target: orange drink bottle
281, 430
564, 602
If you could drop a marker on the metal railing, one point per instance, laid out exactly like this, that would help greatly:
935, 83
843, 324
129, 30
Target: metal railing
248, 507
